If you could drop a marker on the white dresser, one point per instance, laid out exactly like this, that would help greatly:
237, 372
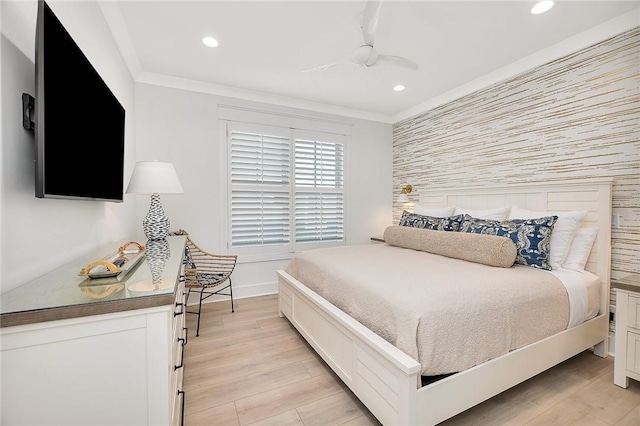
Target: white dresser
87, 352
627, 348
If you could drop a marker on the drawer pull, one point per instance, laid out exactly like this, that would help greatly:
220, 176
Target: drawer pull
182, 395
186, 335
182, 341
181, 306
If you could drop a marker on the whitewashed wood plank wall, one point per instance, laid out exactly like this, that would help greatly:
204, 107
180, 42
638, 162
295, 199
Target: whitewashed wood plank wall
577, 117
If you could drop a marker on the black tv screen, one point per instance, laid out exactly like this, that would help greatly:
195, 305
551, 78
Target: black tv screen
79, 123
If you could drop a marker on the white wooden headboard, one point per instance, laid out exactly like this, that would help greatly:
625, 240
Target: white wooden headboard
593, 196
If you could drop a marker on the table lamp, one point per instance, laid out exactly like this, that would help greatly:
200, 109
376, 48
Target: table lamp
155, 178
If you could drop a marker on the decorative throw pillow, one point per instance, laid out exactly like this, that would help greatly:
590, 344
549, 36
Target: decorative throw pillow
566, 226
580, 249
429, 222
531, 236
428, 211
493, 214
451, 223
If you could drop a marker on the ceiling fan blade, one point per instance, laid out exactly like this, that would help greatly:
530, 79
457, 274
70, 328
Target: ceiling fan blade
347, 61
352, 59
370, 20
397, 61
323, 67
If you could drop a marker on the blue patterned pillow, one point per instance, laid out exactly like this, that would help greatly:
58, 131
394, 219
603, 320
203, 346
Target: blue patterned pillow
532, 236
429, 222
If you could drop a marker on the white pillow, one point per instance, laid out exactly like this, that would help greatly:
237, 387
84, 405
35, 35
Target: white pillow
580, 249
562, 234
426, 211
490, 214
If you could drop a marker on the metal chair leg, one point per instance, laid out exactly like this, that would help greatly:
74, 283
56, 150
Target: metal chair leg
231, 294
199, 312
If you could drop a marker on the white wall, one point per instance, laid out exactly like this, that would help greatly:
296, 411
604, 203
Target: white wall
39, 235
182, 127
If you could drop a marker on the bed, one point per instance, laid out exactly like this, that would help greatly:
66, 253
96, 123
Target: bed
385, 368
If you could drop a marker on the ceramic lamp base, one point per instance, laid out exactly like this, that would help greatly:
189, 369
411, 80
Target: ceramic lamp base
156, 223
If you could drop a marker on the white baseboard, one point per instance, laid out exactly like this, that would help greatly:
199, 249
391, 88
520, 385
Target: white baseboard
243, 292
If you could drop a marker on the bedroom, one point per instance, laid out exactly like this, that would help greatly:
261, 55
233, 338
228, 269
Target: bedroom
174, 123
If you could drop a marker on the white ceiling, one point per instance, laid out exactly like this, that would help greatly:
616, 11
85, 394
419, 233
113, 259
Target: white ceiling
266, 45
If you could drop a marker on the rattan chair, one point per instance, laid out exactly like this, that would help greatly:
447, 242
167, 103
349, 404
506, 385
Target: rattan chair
206, 273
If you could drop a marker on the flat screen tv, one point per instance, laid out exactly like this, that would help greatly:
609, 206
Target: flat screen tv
79, 123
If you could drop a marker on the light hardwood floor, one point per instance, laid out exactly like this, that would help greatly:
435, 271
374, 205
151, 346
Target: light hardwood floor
253, 368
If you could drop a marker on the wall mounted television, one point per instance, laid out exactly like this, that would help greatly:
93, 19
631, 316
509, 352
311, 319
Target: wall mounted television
79, 123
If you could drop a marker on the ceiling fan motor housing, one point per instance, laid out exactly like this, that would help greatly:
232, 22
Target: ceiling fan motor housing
366, 55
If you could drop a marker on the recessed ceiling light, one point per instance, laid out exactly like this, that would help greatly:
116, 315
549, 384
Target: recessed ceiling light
399, 88
542, 7
210, 41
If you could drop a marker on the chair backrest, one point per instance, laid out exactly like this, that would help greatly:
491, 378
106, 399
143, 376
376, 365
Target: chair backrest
209, 262
203, 261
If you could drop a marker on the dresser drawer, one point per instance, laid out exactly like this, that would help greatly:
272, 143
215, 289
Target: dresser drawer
179, 335
180, 308
633, 312
177, 412
633, 352
627, 347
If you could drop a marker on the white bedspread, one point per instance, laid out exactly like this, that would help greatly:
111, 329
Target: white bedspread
447, 314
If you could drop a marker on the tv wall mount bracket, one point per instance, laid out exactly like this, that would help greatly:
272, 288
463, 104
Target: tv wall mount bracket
28, 111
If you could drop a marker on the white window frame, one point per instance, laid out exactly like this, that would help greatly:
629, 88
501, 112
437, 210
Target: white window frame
259, 129
326, 138
286, 251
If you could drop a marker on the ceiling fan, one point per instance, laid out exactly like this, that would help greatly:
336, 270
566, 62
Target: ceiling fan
367, 55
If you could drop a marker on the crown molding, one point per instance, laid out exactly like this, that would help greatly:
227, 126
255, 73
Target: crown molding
113, 15
587, 38
254, 96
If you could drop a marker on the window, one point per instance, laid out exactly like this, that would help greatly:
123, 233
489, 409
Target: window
286, 188
319, 191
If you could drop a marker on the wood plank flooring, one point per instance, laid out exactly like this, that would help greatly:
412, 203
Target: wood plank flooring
253, 368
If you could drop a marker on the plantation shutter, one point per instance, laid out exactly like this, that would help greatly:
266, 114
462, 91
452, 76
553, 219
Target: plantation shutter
260, 186
319, 191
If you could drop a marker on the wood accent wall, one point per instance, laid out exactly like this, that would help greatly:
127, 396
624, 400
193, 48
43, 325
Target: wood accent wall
577, 117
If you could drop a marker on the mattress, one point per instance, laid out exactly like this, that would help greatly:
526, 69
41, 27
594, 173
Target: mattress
447, 314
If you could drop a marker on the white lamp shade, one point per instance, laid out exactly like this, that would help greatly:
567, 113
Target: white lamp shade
154, 177
403, 198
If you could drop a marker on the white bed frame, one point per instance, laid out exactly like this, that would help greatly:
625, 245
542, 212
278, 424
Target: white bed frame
387, 380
